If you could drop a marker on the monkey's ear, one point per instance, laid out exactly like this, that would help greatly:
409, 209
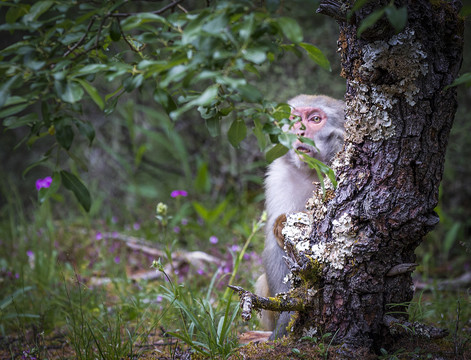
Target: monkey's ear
279, 225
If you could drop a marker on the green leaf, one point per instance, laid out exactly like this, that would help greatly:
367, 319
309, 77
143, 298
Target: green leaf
15, 12
213, 125
37, 10
358, 5
115, 32
255, 55
275, 152
73, 183
205, 99
69, 91
163, 98
92, 68
317, 55
259, 134
237, 132
249, 93
290, 29
64, 133
463, 79
12, 110
93, 92
137, 20
202, 179
397, 17
5, 90
16, 122
370, 20
287, 139
86, 129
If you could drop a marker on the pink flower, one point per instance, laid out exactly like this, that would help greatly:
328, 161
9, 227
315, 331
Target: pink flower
136, 226
177, 193
176, 229
117, 259
98, 236
213, 240
43, 183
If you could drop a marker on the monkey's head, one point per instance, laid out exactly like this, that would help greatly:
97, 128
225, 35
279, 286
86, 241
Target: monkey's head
322, 120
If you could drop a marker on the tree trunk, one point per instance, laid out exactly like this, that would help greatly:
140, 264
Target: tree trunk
398, 120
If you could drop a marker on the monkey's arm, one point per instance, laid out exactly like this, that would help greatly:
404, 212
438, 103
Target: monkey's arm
281, 302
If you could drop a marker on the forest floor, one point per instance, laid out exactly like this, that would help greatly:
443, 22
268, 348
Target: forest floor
114, 310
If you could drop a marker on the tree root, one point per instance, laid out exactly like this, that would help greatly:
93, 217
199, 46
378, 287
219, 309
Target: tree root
250, 302
397, 326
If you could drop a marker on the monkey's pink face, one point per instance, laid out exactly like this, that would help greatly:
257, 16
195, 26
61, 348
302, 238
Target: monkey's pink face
312, 121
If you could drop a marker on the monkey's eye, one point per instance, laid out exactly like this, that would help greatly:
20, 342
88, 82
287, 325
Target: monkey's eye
316, 119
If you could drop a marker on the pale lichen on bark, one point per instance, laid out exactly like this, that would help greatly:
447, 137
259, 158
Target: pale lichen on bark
368, 113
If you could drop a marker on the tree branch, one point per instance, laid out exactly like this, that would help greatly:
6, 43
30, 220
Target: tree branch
250, 302
78, 43
334, 9
397, 326
157, 12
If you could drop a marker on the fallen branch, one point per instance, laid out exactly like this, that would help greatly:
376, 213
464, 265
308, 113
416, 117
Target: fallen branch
250, 302
461, 282
404, 327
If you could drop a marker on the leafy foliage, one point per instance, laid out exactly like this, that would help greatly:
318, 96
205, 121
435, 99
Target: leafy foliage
70, 52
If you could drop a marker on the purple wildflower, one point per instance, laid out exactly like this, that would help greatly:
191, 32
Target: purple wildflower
177, 193
184, 221
43, 183
176, 229
235, 248
30, 253
117, 259
136, 226
213, 239
99, 236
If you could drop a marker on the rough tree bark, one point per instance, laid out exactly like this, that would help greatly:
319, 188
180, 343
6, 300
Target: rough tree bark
398, 120
357, 260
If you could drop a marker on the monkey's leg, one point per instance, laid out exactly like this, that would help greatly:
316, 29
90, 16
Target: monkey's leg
267, 318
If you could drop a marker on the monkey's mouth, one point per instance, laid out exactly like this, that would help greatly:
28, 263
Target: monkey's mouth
303, 149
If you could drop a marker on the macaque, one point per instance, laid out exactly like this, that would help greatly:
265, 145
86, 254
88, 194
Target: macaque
288, 186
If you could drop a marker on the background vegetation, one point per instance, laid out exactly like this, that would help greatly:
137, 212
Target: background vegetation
78, 284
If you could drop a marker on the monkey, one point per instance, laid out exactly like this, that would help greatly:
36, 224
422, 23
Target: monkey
288, 186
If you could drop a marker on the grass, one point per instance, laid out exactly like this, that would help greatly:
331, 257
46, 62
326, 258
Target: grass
84, 288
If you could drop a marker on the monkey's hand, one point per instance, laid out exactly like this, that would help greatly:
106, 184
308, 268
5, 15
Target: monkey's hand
281, 302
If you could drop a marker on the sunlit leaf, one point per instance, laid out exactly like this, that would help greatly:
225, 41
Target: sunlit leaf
291, 29
317, 55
